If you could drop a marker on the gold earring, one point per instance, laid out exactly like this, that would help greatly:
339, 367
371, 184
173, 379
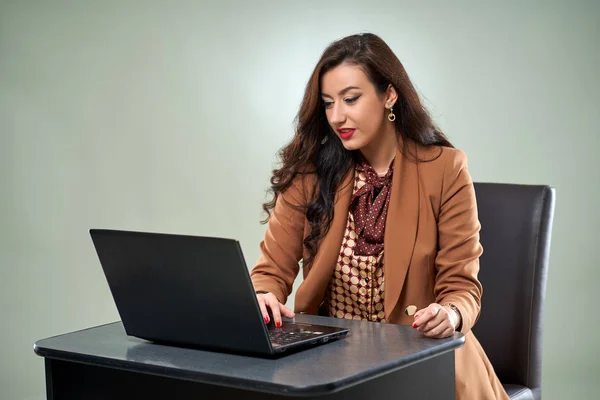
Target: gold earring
391, 116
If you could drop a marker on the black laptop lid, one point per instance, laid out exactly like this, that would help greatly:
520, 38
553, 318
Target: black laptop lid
182, 289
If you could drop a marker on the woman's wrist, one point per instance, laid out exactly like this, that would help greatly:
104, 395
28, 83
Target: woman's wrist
454, 309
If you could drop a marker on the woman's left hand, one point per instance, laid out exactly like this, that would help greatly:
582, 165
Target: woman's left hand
436, 321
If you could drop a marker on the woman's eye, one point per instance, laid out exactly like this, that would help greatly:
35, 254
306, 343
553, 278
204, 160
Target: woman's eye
351, 100
327, 104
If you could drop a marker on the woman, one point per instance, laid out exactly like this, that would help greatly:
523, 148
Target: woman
380, 208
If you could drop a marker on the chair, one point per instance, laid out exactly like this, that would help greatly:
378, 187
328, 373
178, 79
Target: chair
516, 225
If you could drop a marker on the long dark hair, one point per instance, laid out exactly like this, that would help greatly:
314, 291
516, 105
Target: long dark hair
313, 149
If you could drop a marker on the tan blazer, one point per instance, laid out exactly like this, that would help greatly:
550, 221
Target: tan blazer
431, 251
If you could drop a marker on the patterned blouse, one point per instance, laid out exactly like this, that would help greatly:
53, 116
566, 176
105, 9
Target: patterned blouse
356, 289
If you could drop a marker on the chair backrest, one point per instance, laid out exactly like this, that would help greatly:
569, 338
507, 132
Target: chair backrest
516, 226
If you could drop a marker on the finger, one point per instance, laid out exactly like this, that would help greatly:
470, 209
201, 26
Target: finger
444, 317
418, 314
435, 331
420, 318
273, 304
434, 322
425, 315
263, 308
439, 332
447, 333
286, 312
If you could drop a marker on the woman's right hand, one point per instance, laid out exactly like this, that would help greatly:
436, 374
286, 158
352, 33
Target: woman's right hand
268, 301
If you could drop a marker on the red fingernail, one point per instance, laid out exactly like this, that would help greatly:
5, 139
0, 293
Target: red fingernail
266, 320
414, 325
278, 324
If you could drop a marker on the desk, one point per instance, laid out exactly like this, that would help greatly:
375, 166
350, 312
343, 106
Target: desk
374, 361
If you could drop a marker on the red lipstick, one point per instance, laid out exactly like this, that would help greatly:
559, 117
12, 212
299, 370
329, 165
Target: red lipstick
346, 133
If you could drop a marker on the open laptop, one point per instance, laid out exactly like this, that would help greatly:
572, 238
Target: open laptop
193, 291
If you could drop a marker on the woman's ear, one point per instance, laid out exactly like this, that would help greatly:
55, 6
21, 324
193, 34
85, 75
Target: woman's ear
391, 96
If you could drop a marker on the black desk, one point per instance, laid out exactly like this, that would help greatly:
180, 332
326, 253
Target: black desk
374, 361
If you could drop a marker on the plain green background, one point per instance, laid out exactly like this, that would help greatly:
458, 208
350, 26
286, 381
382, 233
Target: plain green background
167, 116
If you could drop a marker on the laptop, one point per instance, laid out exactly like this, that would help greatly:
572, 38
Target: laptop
194, 291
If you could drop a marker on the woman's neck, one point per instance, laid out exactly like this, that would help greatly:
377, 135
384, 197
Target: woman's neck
380, 152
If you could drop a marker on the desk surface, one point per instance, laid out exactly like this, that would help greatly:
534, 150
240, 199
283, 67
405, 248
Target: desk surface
369, 350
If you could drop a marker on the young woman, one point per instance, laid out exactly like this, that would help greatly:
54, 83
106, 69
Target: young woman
380, 208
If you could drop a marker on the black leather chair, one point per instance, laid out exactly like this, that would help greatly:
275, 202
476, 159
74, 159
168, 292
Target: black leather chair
516, 225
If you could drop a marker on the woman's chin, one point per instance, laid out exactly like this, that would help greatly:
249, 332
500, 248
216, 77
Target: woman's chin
351, 145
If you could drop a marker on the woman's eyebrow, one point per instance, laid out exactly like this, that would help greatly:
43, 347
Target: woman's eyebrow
343, 91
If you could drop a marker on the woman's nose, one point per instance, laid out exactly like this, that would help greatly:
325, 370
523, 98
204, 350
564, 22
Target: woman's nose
337, 115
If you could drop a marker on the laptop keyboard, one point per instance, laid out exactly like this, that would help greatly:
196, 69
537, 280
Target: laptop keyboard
286, 337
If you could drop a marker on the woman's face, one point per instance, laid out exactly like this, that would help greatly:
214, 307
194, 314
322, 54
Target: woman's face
355, 111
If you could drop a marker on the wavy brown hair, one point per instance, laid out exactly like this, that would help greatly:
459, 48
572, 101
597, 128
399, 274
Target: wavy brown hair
315, 150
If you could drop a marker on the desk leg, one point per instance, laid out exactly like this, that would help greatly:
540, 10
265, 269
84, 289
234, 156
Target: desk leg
431, 379
49, 381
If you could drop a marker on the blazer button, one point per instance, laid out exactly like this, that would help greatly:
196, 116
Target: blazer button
411, 310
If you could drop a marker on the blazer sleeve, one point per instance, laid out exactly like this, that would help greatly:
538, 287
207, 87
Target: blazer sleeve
282, 246
457, 260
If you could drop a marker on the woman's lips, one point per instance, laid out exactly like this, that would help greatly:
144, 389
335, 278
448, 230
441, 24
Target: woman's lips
346, 133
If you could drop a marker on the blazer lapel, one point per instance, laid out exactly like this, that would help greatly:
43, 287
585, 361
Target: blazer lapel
400, 228
310, 293
399, 238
